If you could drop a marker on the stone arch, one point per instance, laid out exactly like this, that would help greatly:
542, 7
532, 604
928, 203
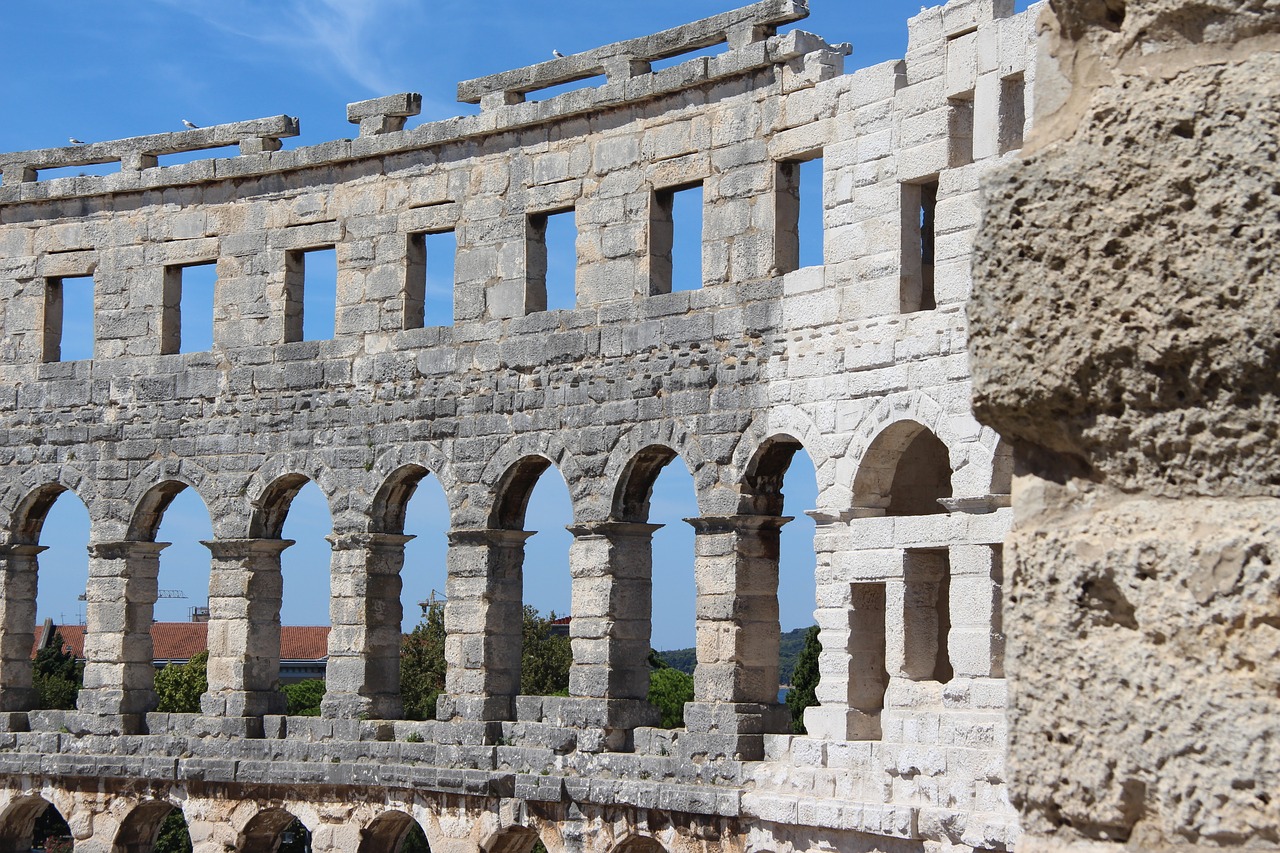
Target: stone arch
635, 482
637, 843
515, 468
18, 821
509, 839
387, 832
28, 514
667, 434
149, 509
274, 486
263, 831
139, 830
406, 465
904, 471
513, 490
760, 491
772, 440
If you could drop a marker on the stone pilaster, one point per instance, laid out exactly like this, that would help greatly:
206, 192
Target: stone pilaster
18, 573
737, 630
245, 590
483, 620
363, 675
119, 670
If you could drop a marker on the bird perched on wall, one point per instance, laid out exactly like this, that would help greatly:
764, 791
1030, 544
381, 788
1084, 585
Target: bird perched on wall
75, 141
557, 54
190, 125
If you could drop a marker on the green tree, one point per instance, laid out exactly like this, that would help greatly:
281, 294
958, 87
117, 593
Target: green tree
804, 680
422, 666
180, 686
669, 689
56, 676
415, 841
545, 658
304, 697
173, 836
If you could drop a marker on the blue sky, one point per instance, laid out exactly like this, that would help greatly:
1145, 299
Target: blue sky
101, 71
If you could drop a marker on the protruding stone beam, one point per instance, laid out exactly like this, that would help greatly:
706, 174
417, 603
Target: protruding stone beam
363, 675
119, 669
142, 152
18, 572
483, 620
245, 590
384, 115
627, 58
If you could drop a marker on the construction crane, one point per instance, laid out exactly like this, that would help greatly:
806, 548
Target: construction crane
435, 598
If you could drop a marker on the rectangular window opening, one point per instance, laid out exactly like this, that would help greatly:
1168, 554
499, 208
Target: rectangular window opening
187, 322
429, 279
927, 615
68, 318
86, 171
960, 129
1013, 112
675, 237
919, 204
310, 294
552, 261
800, 206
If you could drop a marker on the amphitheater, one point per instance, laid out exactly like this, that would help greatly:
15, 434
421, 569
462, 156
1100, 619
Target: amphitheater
864, 362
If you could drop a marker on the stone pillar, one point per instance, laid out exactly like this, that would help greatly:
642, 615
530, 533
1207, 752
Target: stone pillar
1135, 240
245, 590
483, 619
119, 669
612, 568
363, 675
977, 626
737, 630
18, 575
851, 690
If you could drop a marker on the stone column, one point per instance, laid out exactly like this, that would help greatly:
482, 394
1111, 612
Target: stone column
363, 675
737, 630
612, 568
977, 626
18, 575
851, 690
119, 670
245, 590
483, 620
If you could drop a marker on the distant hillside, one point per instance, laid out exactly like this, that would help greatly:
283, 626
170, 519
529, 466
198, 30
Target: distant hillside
792, 641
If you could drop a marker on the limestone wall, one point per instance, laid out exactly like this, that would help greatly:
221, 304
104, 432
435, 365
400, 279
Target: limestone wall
861, 362
1125, 340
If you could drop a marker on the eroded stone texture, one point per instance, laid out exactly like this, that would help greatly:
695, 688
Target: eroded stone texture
1125, 338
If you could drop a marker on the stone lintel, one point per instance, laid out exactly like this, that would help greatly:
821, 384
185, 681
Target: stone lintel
765, 16
140, 151
384, 115
613, 529
233, 549
712, 524
7, 551
125, 550
489, 536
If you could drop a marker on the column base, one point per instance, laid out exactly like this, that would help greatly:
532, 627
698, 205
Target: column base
353, 706
833, 722
243, 703
18, 699
452, 707
105, 701
733, 730
80, 723
597, 725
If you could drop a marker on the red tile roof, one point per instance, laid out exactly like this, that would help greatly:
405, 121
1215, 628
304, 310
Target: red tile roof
181, 640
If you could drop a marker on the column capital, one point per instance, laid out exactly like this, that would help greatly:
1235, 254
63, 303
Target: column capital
367, 541
976, 504
489, 536
712, 524
612, 529
21, 550
125, 549
231, 549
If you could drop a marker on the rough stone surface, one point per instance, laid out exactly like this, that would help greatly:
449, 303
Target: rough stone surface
861, 362
1125, 339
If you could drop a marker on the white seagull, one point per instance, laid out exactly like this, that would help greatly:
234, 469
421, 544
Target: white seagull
75, 141
557, 54
190, 124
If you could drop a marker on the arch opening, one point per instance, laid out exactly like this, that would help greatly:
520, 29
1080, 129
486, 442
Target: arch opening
543, 508
906, 471
513, 839
394, 832
274, 831
33, 820
640, 844
151, 826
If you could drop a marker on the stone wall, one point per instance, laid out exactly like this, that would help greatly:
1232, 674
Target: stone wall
1125, 340
860, 362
